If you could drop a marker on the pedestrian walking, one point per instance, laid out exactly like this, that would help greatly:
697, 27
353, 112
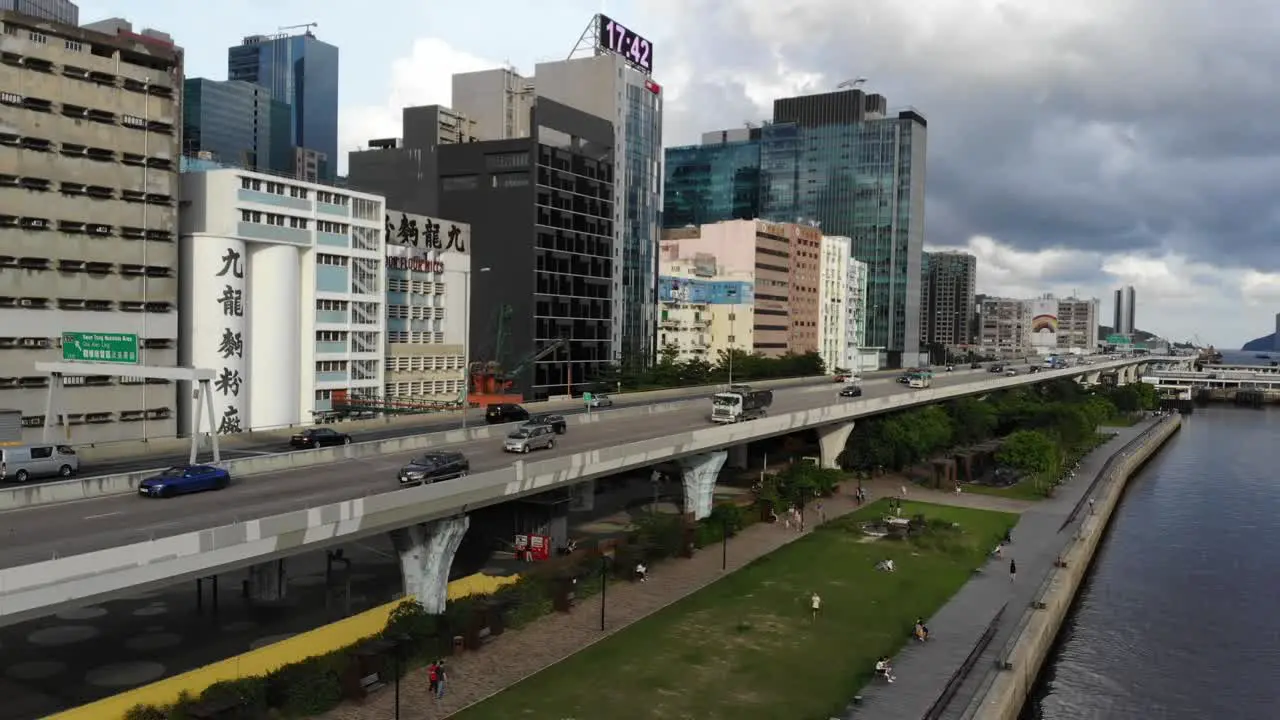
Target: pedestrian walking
822, 513
1013, 569
1090, 506
433, 678
815, 605
440, 678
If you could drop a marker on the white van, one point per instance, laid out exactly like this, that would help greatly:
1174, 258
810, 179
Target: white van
20, 463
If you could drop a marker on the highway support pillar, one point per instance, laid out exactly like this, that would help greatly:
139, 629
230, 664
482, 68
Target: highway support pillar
700, 472
831, 442
426, 553
268, 582
583, 496
738, 457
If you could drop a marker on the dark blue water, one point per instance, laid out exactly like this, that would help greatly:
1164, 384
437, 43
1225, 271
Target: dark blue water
1180, 616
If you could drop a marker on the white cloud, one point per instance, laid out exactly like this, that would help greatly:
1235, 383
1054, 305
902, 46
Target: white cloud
424, 77
1177, 298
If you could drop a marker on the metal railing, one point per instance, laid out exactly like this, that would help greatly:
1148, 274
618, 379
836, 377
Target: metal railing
1105, 475
962, 673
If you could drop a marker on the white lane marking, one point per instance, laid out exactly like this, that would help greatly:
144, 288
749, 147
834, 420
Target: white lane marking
103, 515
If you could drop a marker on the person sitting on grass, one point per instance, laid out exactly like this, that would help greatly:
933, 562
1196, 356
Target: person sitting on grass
642, 572
920, 631
885, 565
884, 670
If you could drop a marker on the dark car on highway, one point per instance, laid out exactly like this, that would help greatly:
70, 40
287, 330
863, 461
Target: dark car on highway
434, 466
556, 422
997, 368
851, 391
319, 437
499, 413
183, 479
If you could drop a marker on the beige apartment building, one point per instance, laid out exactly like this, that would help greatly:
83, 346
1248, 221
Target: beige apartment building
89, 162
703, 308
1078, 325
786, 309
1005, 327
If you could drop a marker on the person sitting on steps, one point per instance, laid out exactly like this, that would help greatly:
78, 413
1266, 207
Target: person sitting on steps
920, 631
883, 669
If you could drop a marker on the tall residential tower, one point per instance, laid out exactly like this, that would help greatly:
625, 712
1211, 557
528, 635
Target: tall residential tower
1124, 304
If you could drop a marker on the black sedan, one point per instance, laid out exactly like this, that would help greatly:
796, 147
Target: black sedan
557, 422
851, 391
318, 437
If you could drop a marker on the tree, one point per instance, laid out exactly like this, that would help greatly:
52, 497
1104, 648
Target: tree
972, 420
1032, 452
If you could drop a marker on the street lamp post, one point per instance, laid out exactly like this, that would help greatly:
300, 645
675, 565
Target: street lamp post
466, 341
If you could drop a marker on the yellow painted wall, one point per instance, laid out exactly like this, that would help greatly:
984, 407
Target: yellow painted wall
320, 641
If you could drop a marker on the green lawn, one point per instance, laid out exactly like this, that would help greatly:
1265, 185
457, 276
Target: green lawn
1024, 490
745, 648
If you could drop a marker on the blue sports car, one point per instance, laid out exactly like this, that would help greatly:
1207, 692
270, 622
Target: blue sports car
182, 479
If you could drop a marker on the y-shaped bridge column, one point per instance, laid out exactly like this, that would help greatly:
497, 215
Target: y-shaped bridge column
700, 473
831, 442
426, 553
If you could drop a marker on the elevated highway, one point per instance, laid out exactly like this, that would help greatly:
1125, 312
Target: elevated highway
59, 555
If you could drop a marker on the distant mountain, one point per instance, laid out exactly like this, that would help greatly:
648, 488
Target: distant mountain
1266, 343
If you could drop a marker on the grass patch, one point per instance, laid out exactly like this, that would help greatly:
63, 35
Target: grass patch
745, 647
1123, 420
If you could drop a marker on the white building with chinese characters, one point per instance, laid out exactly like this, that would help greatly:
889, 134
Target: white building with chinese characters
282, 294
428, 289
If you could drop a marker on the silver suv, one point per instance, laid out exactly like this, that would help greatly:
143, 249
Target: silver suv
528, 438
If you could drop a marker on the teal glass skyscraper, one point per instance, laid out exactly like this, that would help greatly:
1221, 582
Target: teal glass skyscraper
302, 71
713, 181
839, 159
236, 122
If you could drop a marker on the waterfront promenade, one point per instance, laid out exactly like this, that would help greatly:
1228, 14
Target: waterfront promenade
924, 669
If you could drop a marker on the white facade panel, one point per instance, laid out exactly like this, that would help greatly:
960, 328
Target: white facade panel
312, 290
215, 285
834, 303
275, 283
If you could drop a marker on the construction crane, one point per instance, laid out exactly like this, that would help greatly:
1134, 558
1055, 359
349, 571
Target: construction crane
306, 26
490, 379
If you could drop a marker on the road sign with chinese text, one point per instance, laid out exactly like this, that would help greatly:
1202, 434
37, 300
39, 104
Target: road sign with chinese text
118, 348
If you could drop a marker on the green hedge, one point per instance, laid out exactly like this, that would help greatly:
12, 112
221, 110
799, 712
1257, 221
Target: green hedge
315, 685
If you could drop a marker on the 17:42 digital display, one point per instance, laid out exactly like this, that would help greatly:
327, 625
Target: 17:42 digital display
616, 38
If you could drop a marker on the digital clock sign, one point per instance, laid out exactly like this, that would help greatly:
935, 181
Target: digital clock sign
617, 39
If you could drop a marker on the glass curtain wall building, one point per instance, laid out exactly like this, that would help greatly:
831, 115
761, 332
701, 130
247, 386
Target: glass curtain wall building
236, 122
302, 71
709, 183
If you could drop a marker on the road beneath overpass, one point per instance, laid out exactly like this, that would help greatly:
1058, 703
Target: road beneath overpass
51, 531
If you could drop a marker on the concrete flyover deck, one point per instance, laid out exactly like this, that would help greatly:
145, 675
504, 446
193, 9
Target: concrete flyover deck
113, 458
924, 670
124, 544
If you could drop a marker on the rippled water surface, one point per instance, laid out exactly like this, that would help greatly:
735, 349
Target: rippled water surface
1180, 616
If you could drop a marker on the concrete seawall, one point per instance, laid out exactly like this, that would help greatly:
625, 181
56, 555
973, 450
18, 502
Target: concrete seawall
1018, 668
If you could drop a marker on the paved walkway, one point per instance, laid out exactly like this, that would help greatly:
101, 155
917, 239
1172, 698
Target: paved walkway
518, 654
923, 670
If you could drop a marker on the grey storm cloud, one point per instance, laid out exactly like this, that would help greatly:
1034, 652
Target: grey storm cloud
1100, 125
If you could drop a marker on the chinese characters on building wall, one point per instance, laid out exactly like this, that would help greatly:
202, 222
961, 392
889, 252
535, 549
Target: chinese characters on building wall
427, 233
223, 341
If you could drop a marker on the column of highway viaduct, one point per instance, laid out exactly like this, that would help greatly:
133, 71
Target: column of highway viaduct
74, 553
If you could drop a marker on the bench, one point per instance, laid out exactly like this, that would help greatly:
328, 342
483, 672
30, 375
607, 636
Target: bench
371, 683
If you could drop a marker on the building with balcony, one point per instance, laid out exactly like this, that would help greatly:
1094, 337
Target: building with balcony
88, 217
782, 261
1077, 325
542, 218
704, 309
1004, 327
947, 308
283, 296
428, 284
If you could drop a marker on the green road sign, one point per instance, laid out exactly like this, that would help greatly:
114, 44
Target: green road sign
100, 347
587, 398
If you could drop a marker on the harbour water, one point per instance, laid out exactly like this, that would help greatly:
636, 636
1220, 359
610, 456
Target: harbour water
1178, 618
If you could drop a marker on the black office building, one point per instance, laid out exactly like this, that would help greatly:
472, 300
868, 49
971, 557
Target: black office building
541, 215
403, 170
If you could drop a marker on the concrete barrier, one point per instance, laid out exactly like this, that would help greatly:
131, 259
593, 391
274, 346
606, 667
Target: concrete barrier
31, 590
24, 496
125, 449
1012, 684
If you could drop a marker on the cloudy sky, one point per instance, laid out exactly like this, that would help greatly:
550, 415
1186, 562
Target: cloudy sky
1074, 147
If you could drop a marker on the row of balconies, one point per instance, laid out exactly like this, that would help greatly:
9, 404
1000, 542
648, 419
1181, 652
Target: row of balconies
136, 72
